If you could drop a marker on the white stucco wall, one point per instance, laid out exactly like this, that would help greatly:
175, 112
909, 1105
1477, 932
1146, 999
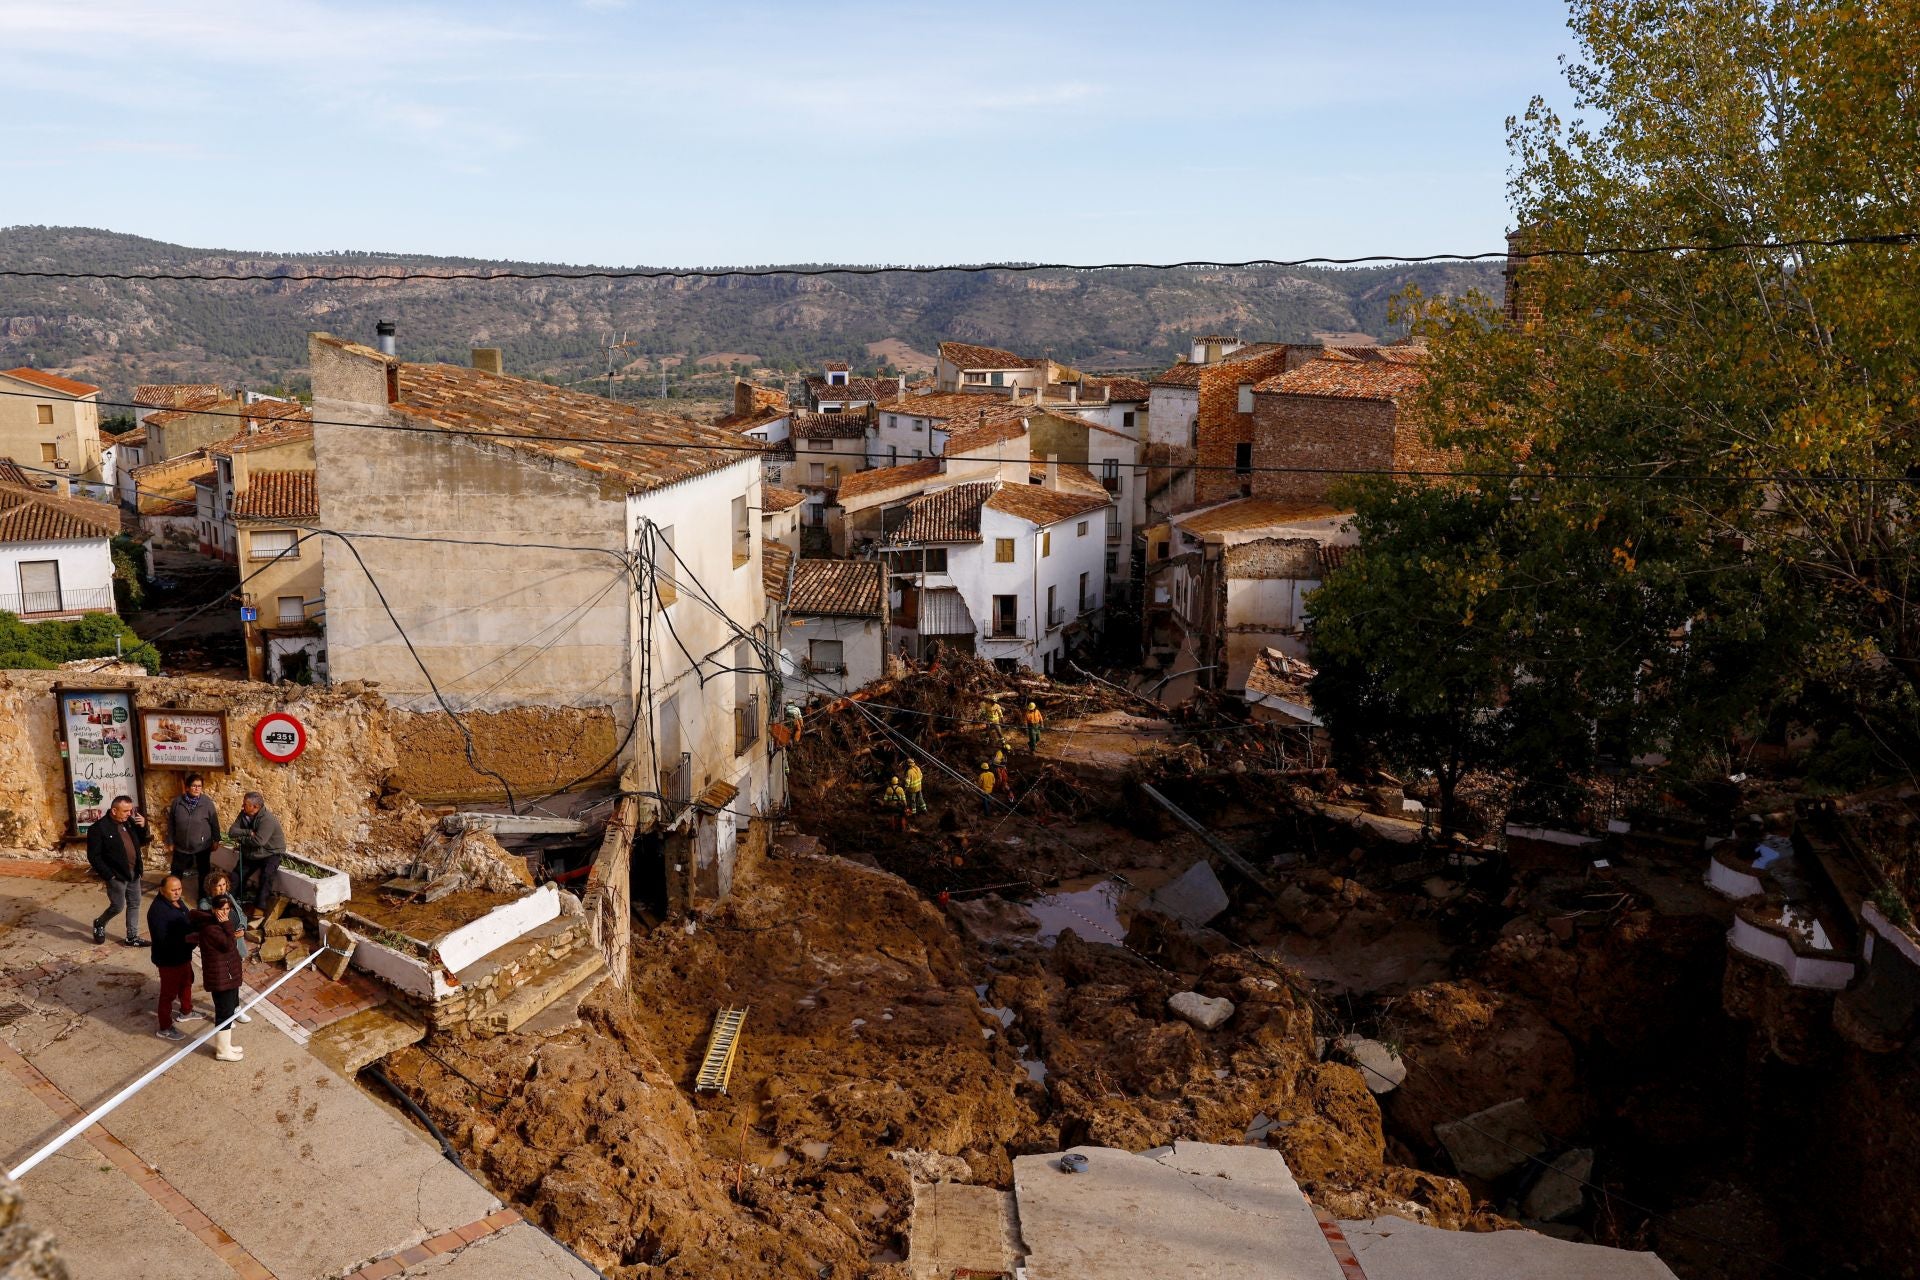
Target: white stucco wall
84, 566
979, 577
863, 647
1171, 415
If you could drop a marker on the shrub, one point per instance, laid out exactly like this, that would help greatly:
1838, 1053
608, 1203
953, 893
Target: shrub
43, 646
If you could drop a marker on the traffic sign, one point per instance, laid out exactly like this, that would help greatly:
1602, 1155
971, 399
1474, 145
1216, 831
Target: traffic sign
280, 738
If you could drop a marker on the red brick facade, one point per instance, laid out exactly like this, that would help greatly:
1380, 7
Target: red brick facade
1324, 434
1220, 425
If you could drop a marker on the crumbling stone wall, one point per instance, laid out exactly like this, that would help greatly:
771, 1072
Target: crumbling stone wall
328, 799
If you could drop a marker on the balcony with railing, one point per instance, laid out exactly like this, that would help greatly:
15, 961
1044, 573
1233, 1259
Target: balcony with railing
58, 604
1056, 617
1007, 629
676, 782
746, 724
1113, 532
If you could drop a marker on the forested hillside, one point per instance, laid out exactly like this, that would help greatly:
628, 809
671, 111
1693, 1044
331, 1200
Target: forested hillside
120, 333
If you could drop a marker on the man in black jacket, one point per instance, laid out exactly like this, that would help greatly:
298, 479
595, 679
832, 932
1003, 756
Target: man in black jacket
173, 937
193, 829
113, 851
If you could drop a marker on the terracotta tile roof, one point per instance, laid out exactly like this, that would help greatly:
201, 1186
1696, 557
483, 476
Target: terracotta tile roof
175, 395
997, 430
718, 796
748, 421
830, 426
965, 355
52, 382
1073, 479
277, 495
1398, 353
1358, 380
768, 405
1187, 373
1332, 556
837, 588
171, 507
1128, 389
774, 498
33, 515
1276, 674
951, 515
133, 438
861, 483
1184, 374
955, 407
643, 449
836, 366
776, 558
853, 390
10, 473
1253, 513
1045, 506
264, 425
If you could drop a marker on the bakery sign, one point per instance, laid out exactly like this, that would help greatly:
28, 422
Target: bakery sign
172, 739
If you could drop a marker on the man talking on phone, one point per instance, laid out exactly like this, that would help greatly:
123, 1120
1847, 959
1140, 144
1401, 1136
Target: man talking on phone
113, 851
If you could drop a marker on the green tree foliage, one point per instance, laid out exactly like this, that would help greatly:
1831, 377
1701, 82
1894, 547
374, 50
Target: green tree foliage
42, 646
1703, 459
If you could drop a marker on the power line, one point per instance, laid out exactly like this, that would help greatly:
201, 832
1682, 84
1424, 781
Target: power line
727, 273
1512, 473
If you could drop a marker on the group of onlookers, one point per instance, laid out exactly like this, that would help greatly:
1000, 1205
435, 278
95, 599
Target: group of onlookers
217, 926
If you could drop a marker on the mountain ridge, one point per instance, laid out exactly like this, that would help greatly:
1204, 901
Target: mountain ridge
122, 333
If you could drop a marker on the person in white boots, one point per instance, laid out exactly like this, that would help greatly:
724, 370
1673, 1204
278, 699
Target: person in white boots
220, 973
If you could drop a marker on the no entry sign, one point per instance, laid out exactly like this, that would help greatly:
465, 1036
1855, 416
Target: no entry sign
280, 738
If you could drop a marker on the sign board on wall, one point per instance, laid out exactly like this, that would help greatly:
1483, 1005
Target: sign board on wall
183, 739
280, 738
96, 742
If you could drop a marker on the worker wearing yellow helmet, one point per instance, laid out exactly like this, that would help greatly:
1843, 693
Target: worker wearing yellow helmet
1034, 722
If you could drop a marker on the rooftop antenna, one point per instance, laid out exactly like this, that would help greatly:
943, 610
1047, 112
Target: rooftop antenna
612, 347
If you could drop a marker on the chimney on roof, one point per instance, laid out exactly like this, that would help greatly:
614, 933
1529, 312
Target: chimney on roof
487, 360
742, 397
384, 332
62, 479
1053, 471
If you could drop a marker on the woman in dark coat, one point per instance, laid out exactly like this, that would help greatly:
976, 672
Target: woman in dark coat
220, 973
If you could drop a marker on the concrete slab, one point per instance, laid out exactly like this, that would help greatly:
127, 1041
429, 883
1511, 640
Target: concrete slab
102, 1223
1196, 897
307, 1173
955, 1227
361, 1039
521, 1252
1225, 1213
1394, 1249
1490, 1143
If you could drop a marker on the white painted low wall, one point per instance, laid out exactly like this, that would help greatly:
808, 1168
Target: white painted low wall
329, 892
1801, 971
1889, 932
498, 927
1552, 835
396, 968
1730, 883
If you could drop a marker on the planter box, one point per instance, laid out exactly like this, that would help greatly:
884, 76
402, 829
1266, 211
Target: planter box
408, 973
331, 890
498, 927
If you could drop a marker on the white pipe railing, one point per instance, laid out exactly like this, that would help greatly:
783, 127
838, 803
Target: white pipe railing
101, 1112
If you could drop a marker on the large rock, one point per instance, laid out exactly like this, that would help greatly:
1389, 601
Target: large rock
1204, 1012
1383, 1068
1195, 898
1561, 1189
1492, 1143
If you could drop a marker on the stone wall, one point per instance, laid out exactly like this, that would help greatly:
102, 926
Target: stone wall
1317, 432
1221, 426
327, 799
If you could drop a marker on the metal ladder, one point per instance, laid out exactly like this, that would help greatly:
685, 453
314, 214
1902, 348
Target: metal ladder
723, 1046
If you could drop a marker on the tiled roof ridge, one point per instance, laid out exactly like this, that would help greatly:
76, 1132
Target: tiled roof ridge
52, 382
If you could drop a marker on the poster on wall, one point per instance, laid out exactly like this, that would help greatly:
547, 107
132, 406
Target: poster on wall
183, 739
96, 727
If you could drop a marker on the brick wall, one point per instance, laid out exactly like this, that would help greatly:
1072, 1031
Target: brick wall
1320, 432
1221, 426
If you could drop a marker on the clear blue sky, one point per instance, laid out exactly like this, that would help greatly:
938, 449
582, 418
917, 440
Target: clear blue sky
628, 131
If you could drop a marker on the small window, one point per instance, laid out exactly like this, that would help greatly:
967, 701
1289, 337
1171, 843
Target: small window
43, 414
1046, 543
827, 657
1086, 601
817, 473
997, 380
917, 425
917, 455
1243, 459
936, 560
1162, 550
1113, 564
666, 565
1126, 419
293, 609
49, 453
1003, 550
1081, 530
742, 534
1246, 397
272, 544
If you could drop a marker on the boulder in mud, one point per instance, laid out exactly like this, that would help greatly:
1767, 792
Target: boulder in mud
1560, 1191
1205, 1012
1492, 1143
1383, 1069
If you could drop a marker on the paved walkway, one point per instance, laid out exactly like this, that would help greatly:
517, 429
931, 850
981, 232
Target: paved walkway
270, 1169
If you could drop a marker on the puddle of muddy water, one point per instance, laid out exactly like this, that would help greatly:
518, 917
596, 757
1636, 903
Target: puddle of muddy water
1036, 1070
1097, 908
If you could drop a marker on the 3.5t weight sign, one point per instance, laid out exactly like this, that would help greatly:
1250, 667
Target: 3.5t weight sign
280, 738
